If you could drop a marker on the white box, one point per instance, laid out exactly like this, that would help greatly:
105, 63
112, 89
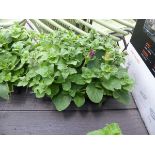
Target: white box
144, 89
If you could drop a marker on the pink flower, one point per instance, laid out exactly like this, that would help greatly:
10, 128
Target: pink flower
91, 53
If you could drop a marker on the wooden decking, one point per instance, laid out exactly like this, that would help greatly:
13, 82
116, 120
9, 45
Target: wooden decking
24, 114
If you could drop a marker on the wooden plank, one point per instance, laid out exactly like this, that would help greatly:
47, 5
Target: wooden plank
68, 122
27, 101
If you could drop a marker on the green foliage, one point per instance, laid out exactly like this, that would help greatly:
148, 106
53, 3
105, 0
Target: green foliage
15, 46
4, 91
62, 101
64, 66
79, 100
109, 129
95, 94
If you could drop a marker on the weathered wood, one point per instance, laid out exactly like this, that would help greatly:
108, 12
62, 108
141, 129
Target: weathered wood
27, 101
24, 114
68, 122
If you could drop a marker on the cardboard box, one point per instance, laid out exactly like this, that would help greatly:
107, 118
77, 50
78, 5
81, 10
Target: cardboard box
141, 66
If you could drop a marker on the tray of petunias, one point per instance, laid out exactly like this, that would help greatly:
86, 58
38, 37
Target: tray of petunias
67, 67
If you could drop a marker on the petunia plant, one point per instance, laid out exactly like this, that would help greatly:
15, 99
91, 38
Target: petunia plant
109, 129
68, 67
15, 45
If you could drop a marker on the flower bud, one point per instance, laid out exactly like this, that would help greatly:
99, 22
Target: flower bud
91, 53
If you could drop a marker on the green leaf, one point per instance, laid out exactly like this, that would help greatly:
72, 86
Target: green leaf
77, 78
122, 72
48, 80
72, 71
72, 92
43, 71
65, 73
128, 87
39, 89
54, 90
80, 59
94, 94
87, 74
39, 95
64, 52
99, 53
109, 129
122, 96
61, 65
61, 101
95, 63
79, 100
48, 91
74, 89
72, 62
66, 86
18, 45
4, 91
112, 83
8, 77
22, 83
